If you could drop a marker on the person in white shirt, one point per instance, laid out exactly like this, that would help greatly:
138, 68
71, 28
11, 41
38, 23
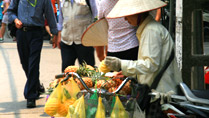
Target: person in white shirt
75, 16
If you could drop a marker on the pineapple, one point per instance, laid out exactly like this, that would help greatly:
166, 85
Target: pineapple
85, 70
112, 89
89, 67
71, 69
126, 90
105, 84
87, 80
117, 81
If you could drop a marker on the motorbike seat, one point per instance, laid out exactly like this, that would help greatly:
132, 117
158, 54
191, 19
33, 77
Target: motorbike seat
191, 97
201, 93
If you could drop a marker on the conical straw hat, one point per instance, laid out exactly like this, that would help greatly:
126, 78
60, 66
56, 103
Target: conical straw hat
96, 34
131, 7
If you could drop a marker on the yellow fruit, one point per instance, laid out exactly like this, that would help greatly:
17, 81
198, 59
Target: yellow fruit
51, 106
71, 69
103, 68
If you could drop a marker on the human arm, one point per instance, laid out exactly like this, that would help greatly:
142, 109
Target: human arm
50, 16
60, 21
58, 39
12, 11
100, 52
149, 55
5, 7
59, 27
149, 58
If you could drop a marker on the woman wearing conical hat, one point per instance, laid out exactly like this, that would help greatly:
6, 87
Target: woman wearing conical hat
155, 47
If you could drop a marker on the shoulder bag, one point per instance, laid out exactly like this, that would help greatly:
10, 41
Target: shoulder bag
141, 91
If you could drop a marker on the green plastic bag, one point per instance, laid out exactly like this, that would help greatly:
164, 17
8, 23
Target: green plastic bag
92, 106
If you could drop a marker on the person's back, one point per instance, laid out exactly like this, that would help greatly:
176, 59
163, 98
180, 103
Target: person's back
121, 35
156, 44
78, 18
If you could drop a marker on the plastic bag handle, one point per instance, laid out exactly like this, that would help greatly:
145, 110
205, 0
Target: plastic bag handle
124, 83
69, 74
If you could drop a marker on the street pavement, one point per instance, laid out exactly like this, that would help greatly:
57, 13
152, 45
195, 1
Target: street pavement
12, 80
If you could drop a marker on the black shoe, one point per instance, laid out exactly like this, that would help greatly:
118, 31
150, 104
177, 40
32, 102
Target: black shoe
31, 103
41, 89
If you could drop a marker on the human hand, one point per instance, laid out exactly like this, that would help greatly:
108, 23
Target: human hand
18, 23
54, 41
58, 41
118, 74
113, 63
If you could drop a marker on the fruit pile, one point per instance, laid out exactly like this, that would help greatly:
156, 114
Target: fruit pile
67, 96
94, 78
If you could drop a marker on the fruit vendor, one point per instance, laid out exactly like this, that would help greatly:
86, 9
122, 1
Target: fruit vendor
155, 47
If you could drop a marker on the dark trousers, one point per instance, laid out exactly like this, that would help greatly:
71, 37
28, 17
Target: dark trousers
29, 45
131, 54
72, 52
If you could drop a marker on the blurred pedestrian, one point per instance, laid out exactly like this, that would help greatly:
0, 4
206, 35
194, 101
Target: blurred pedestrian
155, 47
1, 9
74, 18
4, 20
29, 16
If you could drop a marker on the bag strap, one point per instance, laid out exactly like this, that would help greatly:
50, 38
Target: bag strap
160, 74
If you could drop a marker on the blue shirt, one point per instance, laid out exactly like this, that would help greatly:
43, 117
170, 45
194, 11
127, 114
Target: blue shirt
33, 16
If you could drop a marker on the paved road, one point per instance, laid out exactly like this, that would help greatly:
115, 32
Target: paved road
12, 80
